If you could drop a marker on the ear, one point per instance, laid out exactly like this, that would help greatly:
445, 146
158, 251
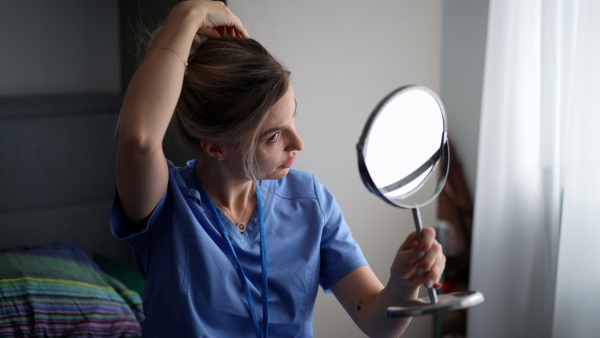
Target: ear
213, 150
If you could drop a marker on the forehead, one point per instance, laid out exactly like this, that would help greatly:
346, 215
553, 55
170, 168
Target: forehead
282, 111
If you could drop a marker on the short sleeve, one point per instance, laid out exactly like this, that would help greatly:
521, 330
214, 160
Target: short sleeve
340, 253
140, 241
118, 220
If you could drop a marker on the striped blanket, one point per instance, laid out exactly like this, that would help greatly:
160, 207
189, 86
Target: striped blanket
59, 291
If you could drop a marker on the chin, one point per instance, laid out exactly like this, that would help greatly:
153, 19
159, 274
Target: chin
279, 173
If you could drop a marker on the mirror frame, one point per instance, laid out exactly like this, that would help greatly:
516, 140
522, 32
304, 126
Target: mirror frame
442, 156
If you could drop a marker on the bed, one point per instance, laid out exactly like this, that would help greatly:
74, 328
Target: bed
62, 273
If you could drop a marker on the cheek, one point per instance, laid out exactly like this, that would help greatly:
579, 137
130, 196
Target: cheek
268, 161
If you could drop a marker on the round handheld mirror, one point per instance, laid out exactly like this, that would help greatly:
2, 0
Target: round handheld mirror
402, 146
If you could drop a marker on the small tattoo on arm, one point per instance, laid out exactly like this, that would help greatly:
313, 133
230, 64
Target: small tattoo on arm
358, 308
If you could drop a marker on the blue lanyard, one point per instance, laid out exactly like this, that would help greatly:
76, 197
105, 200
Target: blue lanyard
243, 279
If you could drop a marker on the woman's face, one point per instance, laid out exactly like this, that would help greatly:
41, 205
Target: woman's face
278, 142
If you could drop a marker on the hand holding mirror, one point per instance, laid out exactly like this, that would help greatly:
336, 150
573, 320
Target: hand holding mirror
403, 144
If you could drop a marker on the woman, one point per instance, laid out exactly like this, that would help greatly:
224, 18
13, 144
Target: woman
236, 243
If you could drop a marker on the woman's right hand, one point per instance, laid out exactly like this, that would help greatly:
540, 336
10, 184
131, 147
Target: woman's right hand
220, 21
215, 19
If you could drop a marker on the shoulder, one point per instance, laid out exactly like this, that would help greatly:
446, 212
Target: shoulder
181, 171
299, 184
296, 184
183, 177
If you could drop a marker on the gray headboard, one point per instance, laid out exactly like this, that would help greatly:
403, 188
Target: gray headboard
57, 159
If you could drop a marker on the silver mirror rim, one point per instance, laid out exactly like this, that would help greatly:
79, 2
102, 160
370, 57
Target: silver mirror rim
444, 146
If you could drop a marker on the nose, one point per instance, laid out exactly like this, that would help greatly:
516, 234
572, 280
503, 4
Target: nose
295, 143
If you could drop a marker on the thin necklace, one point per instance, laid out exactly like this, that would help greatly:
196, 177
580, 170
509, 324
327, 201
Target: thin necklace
241, 225
240, 268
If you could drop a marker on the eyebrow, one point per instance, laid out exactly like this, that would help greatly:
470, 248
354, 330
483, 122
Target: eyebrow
270, 130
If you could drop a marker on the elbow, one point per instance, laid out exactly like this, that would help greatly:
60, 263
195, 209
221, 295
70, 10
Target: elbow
138, 143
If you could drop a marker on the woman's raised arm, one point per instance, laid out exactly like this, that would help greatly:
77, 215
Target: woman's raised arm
141, 169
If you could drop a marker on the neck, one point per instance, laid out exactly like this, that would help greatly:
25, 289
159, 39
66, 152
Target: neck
233, 194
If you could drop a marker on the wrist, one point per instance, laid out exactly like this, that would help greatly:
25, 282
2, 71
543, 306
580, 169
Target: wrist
179, 28
193, 13
188, 11
403, 288
185, 17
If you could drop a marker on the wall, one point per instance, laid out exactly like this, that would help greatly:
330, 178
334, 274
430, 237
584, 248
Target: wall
136, 19
54, 48
65, 46
345, 56
463, 57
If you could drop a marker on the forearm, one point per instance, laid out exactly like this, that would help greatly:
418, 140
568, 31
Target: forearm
366, 301
375, 322
155, 87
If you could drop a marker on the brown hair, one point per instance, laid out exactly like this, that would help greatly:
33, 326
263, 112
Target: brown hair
230, 86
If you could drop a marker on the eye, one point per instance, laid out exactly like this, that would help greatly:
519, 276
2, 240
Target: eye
273, 138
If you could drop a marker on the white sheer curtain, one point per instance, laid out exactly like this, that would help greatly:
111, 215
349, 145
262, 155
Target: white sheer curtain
536, 228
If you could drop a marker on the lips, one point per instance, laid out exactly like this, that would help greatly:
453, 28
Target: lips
288, 164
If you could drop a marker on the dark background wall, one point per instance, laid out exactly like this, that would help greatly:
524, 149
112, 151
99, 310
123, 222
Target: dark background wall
66, 46
136, 18
62, 73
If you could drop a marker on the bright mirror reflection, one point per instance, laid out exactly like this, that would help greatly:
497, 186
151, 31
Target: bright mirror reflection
404, 142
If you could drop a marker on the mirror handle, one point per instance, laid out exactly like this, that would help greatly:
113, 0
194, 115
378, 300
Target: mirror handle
433, 299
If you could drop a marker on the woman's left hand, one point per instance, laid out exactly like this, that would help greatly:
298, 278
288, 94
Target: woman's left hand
416, 263
420, 262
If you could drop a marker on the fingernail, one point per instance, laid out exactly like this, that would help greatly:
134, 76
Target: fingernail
429, 284
420, 254
419, 271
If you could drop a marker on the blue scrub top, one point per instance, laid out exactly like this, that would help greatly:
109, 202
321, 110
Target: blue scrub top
193, 288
